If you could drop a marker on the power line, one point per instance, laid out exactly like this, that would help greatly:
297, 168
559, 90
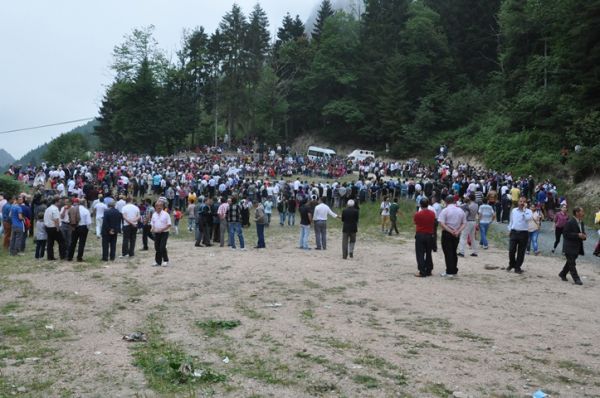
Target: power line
47, 125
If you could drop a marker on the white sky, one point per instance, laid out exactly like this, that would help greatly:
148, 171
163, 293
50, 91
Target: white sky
56, 54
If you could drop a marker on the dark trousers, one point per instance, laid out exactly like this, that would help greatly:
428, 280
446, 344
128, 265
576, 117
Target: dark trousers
145, 235
206, 233
321, 234
557, 234
449, 247
216, 226
79, 235
129, 236
516, 249
570, 267
54, 235
40, 248
160, 245
260, 233
393, 226
348, 242
423, 248
109, 242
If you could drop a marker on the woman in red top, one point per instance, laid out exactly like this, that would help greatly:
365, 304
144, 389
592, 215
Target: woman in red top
560, 220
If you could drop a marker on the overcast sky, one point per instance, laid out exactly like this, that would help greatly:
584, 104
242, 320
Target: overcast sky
56, 54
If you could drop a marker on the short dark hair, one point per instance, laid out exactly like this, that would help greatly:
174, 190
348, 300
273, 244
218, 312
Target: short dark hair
424, 202
576, 210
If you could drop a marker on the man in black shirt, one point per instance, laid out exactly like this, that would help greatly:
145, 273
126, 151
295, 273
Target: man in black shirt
349, 229
306, 213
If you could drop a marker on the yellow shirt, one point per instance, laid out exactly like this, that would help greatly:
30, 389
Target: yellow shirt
515, 193
597, 220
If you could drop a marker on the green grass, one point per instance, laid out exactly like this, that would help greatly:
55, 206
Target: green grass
468, 335
366, 381
168, 368
437, 389
213, 327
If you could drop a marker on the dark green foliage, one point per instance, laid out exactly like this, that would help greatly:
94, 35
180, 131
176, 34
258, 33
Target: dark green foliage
325, 11
211, 327
9, 186
67, 148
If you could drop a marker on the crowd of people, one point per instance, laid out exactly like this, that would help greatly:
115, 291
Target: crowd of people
124, 194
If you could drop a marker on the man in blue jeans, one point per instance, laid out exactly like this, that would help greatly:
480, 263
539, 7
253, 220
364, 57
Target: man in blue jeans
487, 216
234, 219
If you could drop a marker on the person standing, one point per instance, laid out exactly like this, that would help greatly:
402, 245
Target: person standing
17, 226
452, 221
111, 227
574, 234
65, 223
99, 208
597, 222
131, 216
191, 216
260, 219
394, 208
487, 215
222, 213
6, 224
534, 229
384, 209
41, 237
306, 215
79, 236
519, 235
320, 219
234, 221
52, 224
146, 227
560, 220
349, 229
424, 221
471, 209
160, 225
268, 209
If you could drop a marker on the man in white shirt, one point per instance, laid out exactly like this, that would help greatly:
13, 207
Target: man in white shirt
131, 217
519, 234
99, 209
320, 220
160, 225
81, 231
52, 224
120, 203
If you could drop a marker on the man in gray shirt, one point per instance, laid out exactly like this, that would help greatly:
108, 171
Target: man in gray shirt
452, 221
471, 208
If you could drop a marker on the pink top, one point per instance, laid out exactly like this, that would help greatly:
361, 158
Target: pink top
560, 219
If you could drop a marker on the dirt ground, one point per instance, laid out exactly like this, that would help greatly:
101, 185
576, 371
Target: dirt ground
311, 324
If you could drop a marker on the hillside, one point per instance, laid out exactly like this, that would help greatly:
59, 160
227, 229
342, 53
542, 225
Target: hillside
5, 158
38, 154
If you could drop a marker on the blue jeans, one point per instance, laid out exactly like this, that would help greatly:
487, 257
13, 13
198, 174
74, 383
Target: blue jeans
533, 240
282, 218
291, 218
304, 233
236, 228
483, 229
260, 232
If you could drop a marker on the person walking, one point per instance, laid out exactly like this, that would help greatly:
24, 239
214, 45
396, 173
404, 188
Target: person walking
424, 221
260, 219
597, 222
519, 235
471, 209
80, 233
349, 229
131, 217
394, 208
452, 220
306, 218
111, 227
560, 220
535, 224
223, 227
99, 208
574, 234
384, 209
322, 211
18, 230
160, 225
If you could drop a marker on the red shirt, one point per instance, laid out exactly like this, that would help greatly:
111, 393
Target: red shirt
425, 221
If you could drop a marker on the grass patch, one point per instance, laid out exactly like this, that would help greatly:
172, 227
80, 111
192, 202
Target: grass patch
310, 284
307, 314
213, 327
437, 389
321, 388
9, 307
576, 368
366, 381
468, 335
248, 312
168, 368
269, 371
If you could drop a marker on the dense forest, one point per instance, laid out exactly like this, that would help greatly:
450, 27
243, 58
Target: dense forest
514, 81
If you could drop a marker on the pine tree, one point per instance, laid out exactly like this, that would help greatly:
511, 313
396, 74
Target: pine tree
257, 42
325, 11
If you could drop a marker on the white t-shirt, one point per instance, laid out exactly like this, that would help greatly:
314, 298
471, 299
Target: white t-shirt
160, 220
385, 208
130, 212
99, 208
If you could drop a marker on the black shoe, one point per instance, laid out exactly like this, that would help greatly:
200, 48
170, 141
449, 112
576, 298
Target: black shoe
509, 268
351, 255
460, 255
518, 271
563, 277
473, 254
578, 282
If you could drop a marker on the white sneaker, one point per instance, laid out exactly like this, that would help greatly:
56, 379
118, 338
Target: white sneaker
445, 275
124, 256
165, 264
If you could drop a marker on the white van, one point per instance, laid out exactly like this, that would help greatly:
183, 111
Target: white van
358, 155
316, 153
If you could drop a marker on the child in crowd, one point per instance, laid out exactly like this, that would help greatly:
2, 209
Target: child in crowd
177, 215
40, 237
